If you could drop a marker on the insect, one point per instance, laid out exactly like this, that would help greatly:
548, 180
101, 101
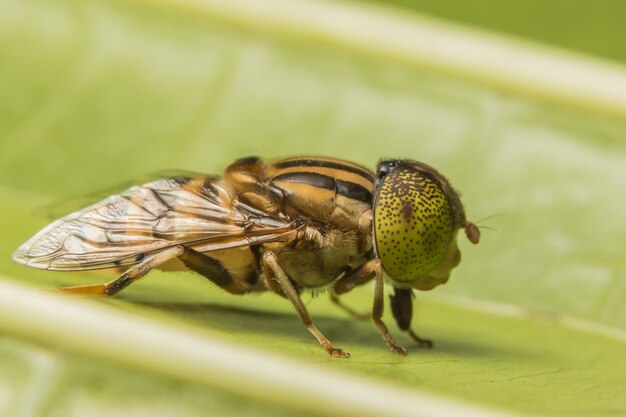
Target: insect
289, 226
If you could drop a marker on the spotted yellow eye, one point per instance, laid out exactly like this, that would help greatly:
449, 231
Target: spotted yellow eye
415, 219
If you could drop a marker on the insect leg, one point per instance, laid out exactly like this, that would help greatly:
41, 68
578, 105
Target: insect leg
130, 276
363, 274
334, 297
213, 270
402, 308
377, 309
273, 272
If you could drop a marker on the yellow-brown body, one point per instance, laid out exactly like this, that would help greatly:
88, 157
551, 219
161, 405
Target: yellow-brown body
295, 224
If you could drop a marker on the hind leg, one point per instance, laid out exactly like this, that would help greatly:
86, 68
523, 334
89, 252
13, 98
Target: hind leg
204, 265
133, 274
214, 271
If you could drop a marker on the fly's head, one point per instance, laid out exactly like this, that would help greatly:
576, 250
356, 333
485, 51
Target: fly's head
417, 216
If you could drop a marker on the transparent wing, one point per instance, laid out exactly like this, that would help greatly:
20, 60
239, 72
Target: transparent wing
67, 205
120, 230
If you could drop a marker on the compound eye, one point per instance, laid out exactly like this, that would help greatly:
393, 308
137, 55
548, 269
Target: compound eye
413, 223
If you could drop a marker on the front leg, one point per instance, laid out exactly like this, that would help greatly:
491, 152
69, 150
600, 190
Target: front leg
367, 271
377, 310
402, 308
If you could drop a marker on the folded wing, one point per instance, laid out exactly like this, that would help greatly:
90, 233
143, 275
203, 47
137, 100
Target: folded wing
122, 229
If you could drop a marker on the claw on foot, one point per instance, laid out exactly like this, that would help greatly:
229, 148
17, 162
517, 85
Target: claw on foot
399, 350
423, 343
337, 353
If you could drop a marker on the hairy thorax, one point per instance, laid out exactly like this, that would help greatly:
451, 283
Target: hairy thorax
319, 261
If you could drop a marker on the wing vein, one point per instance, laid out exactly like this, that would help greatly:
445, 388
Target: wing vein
150, 218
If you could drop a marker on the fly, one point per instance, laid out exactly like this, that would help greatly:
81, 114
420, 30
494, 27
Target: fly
297, 224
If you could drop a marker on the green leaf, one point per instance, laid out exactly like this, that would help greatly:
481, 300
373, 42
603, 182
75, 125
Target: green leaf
532, 322
521, 18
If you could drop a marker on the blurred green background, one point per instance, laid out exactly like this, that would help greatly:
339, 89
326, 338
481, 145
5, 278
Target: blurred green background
578, 25
95, 93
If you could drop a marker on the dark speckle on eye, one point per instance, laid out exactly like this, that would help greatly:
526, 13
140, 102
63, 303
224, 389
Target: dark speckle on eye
413, 208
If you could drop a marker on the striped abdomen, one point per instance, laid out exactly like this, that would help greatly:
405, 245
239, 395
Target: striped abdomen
324, 189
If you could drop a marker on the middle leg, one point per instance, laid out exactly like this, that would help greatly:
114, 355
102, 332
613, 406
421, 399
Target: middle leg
352, 279
278, 281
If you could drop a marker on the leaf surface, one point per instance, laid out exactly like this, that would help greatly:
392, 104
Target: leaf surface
532, 322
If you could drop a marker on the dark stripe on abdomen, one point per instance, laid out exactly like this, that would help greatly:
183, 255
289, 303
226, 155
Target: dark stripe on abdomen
354, 191
344, 188
324, 164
